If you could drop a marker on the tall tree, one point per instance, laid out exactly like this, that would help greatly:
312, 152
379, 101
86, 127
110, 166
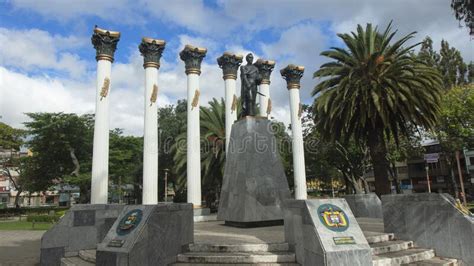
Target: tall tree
62, 148
455, 130
448, 61
375, 89
125, 161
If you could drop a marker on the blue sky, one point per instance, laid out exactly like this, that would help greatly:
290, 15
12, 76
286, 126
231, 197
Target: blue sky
47, 61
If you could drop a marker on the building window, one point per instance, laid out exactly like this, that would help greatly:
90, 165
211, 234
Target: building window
471, 160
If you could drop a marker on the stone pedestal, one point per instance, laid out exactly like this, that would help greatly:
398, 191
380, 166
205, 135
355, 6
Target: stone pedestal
147, 235
325, 232
82, 227
254, 184
365, 205
432, 220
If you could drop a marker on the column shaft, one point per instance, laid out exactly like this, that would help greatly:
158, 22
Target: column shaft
150, 139
230, 115
265, 90
100, 153
297, 146
193, 143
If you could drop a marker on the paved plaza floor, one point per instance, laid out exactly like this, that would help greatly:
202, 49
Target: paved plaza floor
20, 247
23, 247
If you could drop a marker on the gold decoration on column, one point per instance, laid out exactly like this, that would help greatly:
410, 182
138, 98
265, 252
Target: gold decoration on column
269, 106
234, 104
195, 101
300, 110
154, 94
105, 88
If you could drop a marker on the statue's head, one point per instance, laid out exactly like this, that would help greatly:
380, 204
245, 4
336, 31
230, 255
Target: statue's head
249, 58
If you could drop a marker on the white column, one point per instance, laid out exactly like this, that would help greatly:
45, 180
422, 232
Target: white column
105, 43
229, 64
293, 74
264, 89
151, 50
230, 113
193, 56
265, 68
150, 140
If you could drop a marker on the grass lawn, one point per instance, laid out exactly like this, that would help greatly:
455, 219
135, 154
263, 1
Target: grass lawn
23, 225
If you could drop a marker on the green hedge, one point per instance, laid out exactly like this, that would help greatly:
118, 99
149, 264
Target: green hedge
31, 210
43, 218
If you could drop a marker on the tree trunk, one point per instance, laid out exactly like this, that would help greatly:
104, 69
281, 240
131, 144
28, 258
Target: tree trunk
75, 161
366, 185
454, 185
17, 199
394, 173
378, 154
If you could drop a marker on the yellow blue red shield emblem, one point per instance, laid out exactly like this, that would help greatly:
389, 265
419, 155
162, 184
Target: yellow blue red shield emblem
333, 217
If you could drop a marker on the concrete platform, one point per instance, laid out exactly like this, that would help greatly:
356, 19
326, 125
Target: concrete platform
216, 232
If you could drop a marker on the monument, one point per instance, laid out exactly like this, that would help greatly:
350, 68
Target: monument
254, 183
149, 234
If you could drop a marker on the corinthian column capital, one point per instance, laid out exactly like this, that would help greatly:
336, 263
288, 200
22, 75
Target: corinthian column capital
192, 57
230, 64
292, 74
105, 43
265, 68
151, 50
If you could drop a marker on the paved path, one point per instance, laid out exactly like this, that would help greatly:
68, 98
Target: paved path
20, 247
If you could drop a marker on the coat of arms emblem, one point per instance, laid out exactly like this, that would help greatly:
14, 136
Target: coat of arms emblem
129, 222
333, 217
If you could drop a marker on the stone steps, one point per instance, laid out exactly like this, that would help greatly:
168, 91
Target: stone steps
386, 250
403, 257
390, 246
88, 255
75, 261
270, 247
235, 264
436, 261
377, 237
236, 257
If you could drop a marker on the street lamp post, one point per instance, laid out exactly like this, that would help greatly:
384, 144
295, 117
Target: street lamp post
166, 184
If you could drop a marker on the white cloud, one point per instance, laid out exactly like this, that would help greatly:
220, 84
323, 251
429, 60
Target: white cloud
21, 94
294, 32
36, 49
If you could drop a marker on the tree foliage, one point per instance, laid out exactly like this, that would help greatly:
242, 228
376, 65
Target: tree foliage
448, 61
373, 89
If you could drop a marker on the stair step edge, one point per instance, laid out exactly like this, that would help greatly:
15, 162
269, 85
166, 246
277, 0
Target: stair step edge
281, 257
237, 248
403, 257
390, 246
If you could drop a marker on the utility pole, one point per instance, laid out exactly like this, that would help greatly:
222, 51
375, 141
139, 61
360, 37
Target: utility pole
461, 182
428, 178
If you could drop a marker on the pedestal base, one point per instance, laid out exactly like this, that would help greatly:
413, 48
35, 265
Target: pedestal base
82, 227
254, 184
254, 224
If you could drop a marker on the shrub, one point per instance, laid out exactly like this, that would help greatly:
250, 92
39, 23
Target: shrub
43, 218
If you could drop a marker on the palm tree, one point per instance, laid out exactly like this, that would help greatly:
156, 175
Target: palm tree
212, 123
374, 89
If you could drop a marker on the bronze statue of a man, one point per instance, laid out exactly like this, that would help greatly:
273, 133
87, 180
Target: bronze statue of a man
250, 78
